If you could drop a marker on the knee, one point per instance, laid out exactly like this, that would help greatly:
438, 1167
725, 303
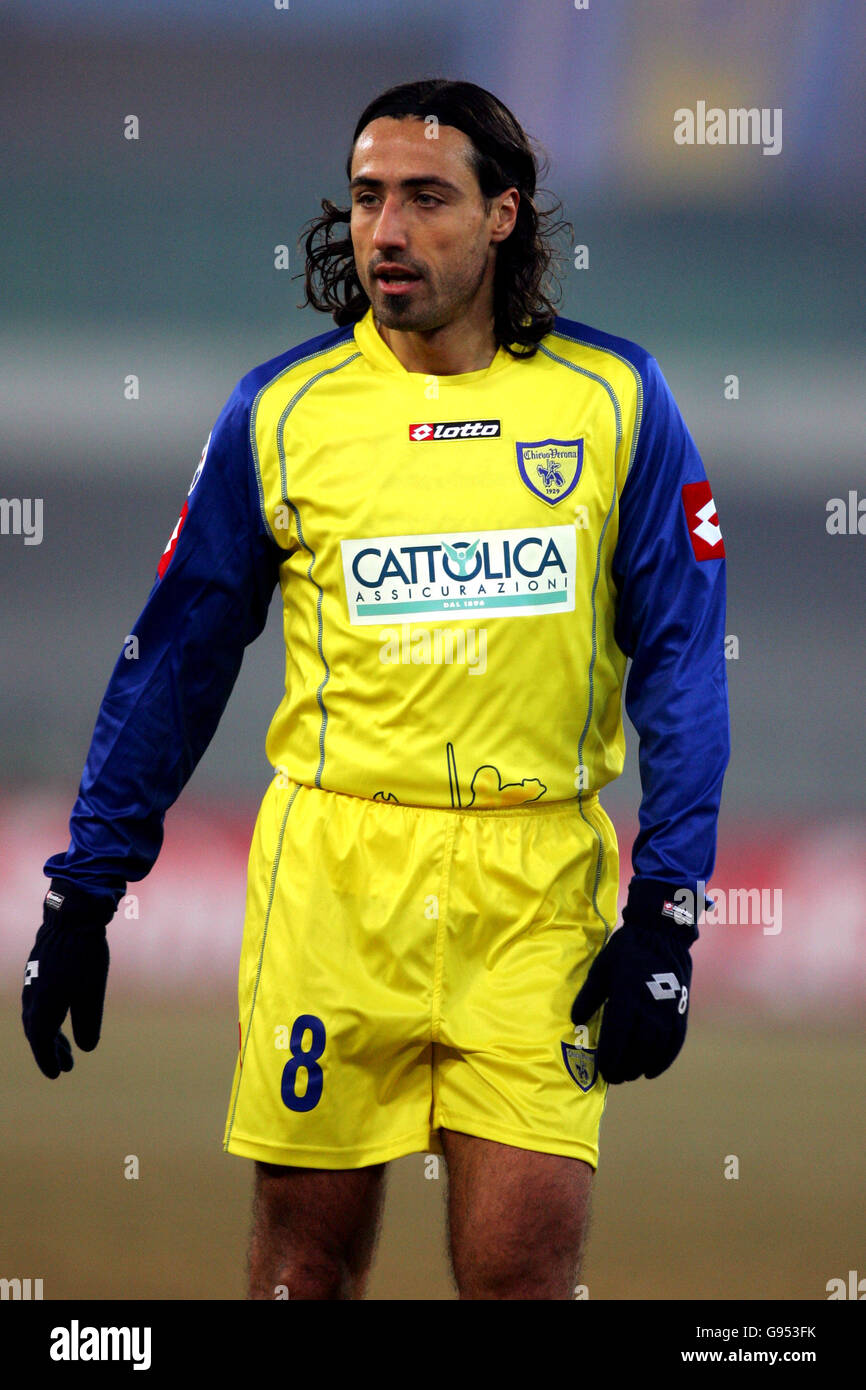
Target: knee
521, 1280
304, 1276
541, 1269
319, 1277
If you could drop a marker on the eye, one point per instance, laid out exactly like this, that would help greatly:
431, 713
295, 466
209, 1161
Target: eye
431, 201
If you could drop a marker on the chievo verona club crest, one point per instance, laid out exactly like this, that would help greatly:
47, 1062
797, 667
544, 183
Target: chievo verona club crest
581, 1063
551, 468
503, 573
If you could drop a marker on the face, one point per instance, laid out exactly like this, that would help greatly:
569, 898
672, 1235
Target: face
424, 243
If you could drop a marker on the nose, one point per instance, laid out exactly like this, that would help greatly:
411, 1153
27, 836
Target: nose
389, 228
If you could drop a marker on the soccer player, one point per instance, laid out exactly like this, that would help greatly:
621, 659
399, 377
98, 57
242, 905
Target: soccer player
476, 512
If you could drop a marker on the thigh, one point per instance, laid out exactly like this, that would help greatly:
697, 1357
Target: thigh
314, 1231
517, 1219
532, 897
334, 1062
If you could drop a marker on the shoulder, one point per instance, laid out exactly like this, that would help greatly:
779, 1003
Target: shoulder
631, 374
303, 362
582, 344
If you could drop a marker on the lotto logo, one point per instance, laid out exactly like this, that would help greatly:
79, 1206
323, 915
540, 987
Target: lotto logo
172, 542
175, 535
681, 915
667, 986
455, 429
703, 521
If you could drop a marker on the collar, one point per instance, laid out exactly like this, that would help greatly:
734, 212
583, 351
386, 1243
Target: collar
378, 353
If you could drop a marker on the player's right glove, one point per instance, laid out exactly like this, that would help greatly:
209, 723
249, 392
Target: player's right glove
67, 973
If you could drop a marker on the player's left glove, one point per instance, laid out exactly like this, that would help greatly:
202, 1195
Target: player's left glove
642, 977
66, 973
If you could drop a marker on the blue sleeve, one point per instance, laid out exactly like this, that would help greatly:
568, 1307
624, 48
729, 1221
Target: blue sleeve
669, 570
171, 684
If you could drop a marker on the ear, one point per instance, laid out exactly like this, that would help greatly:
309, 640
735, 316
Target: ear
505, 214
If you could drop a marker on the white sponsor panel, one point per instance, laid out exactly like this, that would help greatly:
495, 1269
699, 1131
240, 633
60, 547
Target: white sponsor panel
513, 573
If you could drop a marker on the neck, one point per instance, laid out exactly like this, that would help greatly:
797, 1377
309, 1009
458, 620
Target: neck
463, 346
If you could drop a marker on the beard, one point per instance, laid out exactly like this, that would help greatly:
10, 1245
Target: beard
429, 308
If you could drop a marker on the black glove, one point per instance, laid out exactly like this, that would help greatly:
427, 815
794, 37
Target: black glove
67, 972
643, 972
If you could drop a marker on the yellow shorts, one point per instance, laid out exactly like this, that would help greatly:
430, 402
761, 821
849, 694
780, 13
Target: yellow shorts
405, 968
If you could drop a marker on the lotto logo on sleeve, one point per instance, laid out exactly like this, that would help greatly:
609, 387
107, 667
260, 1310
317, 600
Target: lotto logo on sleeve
173, 538
172, 542
703, 521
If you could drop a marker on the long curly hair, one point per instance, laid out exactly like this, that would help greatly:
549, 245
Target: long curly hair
525, 287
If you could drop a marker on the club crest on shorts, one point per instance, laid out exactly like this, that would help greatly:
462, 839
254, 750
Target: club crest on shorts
581, 1065
550, 468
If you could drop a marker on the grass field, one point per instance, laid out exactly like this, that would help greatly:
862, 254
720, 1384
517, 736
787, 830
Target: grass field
667, 1223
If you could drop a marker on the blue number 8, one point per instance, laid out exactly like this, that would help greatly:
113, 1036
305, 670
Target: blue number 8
306, 1059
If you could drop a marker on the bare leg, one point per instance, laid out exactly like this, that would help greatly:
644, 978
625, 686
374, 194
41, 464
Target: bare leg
314, 1230
517, 1219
